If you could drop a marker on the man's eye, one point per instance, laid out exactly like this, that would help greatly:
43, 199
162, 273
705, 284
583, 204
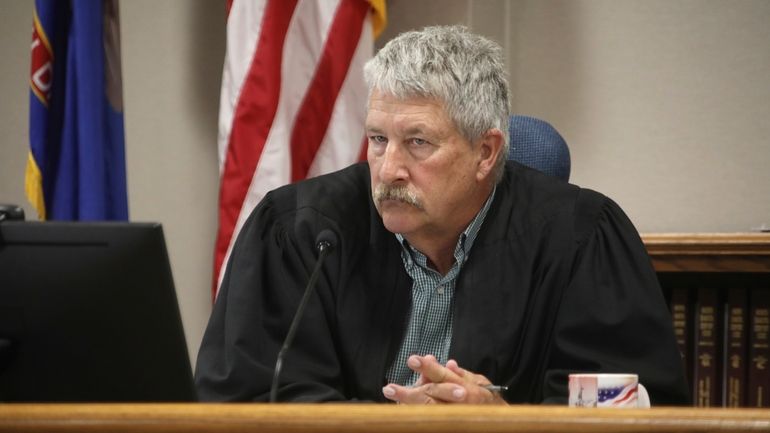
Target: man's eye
378, 139
419, 141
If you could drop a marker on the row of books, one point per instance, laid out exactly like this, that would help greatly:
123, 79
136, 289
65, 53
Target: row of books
723, 337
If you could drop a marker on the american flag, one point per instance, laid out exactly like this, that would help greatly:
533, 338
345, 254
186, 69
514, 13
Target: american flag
618, 396
293, 100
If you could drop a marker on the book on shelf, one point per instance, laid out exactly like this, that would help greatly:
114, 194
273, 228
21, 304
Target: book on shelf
735, 348
759, 352
706, 360
681, 316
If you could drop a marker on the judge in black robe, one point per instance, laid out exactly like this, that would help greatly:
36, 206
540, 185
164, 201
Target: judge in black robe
558, 281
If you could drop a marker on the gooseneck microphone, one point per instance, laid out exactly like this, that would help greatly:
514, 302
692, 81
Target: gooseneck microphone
324, 243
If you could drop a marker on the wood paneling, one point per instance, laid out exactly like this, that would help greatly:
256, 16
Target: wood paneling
709, 252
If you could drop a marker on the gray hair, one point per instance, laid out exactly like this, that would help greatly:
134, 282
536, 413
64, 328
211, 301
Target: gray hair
448, 63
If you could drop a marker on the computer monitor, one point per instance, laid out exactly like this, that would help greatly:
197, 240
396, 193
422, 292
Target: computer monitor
88, 312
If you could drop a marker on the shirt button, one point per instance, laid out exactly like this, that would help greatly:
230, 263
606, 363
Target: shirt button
440, 290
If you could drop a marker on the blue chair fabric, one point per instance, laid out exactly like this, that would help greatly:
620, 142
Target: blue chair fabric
537, 144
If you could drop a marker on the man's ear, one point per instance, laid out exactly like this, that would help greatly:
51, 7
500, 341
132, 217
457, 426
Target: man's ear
489, 148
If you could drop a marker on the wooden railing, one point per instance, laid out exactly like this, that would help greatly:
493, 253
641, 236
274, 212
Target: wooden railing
709, 252
369, 418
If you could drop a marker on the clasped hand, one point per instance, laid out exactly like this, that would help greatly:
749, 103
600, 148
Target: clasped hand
442, 384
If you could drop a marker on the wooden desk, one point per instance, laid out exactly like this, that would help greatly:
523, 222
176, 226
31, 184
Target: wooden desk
369, 418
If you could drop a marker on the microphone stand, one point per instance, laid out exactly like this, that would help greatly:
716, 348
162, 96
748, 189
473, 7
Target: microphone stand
324, 247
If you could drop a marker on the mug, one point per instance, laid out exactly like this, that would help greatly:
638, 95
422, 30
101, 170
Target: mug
604, 390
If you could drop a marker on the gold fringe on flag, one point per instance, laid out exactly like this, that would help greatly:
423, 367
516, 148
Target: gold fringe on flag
379, 17
33, 185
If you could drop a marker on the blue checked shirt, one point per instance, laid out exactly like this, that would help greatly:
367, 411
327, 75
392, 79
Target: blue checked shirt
430, 321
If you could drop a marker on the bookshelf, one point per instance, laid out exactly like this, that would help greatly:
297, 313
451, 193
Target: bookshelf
717, 286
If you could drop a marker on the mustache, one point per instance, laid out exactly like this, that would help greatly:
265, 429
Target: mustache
396, 192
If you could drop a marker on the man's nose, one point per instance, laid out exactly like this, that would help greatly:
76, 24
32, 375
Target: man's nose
393, 166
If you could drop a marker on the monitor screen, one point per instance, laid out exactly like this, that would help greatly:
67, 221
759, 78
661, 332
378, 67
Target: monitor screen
88, 312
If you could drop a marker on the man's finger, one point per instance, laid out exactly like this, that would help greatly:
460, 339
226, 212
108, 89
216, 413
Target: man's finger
431, 370
468, 376
407, 395
454, 367
446, 392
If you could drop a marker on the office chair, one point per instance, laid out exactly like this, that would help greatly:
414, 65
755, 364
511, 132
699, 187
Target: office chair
537, 144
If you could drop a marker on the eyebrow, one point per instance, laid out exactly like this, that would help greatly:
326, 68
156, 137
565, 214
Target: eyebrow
420, 129
373, 129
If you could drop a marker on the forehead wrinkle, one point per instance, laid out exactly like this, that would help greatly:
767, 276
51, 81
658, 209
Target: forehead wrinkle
407, 116
415, 129
419, 129
427, 130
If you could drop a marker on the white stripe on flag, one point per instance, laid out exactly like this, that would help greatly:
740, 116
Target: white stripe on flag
303, 47
342, 143
243, 27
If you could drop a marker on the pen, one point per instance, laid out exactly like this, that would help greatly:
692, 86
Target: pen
495, 388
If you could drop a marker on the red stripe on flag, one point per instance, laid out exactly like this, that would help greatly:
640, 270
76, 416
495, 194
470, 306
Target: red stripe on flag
313, 118
252, 120
628, 393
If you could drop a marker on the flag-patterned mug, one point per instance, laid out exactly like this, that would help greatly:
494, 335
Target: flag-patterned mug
603, 390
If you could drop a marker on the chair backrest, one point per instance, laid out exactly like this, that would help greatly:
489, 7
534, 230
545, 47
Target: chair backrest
537, 144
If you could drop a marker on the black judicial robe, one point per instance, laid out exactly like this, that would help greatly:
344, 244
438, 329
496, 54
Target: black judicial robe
557, 281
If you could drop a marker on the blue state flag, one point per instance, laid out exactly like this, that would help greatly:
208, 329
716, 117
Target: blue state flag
76, 168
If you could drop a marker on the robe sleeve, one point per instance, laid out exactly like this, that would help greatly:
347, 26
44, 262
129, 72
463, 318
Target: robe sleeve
262, 287
612, 316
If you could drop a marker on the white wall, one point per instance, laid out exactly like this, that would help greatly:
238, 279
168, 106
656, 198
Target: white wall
664, 104
172, 68
15, 41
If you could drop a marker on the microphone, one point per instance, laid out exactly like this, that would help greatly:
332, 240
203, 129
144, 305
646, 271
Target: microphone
324, 243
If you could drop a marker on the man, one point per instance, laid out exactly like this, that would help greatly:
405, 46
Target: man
453, 270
